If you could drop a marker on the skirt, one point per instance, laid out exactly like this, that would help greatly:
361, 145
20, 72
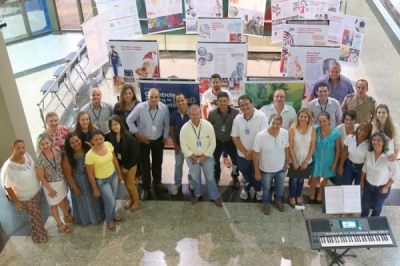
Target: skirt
60, 187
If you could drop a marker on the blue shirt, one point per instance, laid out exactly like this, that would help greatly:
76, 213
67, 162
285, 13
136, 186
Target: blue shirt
177, 121
342, 89
153, 124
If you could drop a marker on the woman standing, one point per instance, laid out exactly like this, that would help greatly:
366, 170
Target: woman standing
378, 175
326, 155
354, 154
84, 127
302, 137
104, 174
348, 125
127, 102
56, 131
127, 152
19, 179
86, 208
49, 170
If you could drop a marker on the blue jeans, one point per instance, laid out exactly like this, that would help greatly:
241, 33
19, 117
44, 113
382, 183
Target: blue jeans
351, 173
108, 191
279, 185
372, 196
230, 148
247, 169
115, 69
179, 159
208, 170
296, 187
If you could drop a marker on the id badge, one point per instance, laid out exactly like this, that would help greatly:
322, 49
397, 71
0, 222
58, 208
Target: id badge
57, 177
223, 128
247, 131
119, 156
98, 125
198, 143
153, 127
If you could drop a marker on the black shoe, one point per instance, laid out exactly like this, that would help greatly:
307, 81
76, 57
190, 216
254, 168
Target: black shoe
161, 187
235, 182
291, 204
195, 200
318, 201
145, 195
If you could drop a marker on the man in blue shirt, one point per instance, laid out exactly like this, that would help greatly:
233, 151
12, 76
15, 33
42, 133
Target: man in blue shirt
178, 118
152, 118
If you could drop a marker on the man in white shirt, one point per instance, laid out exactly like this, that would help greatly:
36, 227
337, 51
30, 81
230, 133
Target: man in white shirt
324, 103
198, 144
244, 130
279, 107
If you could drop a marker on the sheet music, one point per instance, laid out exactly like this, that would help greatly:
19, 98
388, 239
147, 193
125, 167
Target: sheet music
333, 200
352, 199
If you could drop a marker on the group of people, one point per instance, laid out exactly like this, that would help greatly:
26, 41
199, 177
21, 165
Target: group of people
110, 143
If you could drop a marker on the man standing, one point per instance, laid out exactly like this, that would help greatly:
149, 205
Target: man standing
115, 61
325, 104
339, 85
178, 118
198, 144
98, 110
152, 118
279, 107
360, 102
245, 128
222, 119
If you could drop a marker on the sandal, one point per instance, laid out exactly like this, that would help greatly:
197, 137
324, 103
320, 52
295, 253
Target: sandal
65, 230
135, 206
121, 219
128, 205
68, 219
43, 241
113, 228
292, 204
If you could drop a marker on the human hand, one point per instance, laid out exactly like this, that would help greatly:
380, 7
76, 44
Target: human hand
304, 166
96, 193
124, 170
257, 176
248, 155
177, 149
77, 192
20, 206
119, 179
340, 170
392, 157
296, 166
384, 190
52, 193
202, 158
333, 167
89, 144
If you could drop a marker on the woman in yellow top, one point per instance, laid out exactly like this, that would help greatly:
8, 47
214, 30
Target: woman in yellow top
104, 174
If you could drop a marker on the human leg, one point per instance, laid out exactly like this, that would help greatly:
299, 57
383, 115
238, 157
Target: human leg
366, 200
217, 164
348, 173
131, 187
266, 186
145, 161
246, 167
106, 191
378, 200
157, 152
179, 159
357, 175
322, 184
39, 234
313, 186
292, 189
208, 175
279, 185
196, 176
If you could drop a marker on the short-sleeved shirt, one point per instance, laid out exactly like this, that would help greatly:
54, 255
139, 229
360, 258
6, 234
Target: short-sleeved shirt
53, 172
364, 108
271, 150
99, 116
288, 114
210, 99
357, 152
59, 137
177, 120
332, 107
103, 165
342, 89
222, 123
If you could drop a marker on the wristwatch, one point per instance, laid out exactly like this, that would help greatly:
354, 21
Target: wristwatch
307, 161
198, 160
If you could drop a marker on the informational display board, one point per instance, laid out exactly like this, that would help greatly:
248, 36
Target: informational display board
195, 9
261, 90
252, 13
137, 59
220, 29
96, 38
310, 62
124, 22
229, 60
282, 10
104, 5
164, 15
315, 9
348, 32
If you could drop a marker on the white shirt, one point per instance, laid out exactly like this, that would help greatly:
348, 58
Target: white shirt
288, 114
255, 124
190, 135
379, 172
302, 144
210, 99
271, 150
393, 143
332, 107
356, 154
342, 130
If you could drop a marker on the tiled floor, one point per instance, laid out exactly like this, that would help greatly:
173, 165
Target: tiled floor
168, 230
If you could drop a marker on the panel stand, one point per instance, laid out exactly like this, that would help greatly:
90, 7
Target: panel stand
337, 258
252, 55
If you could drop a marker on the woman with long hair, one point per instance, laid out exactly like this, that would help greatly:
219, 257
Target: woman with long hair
302, 138
84, 126
55, 130
104, 175
86, 208
127, 102
50, 172
127, 151
19, 179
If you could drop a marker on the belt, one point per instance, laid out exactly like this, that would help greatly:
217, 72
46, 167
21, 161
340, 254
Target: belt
356, 165
154, 140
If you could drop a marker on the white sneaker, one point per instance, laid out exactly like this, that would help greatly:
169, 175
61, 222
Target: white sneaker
259, 195
244, 194
191, 186
175, 189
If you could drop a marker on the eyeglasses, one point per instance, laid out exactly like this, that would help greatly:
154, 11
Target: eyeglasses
280, 97
244, 105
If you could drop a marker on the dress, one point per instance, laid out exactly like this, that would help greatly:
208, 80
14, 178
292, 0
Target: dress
324, 154
86, 208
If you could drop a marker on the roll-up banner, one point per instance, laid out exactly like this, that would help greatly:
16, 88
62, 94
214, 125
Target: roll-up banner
195, 9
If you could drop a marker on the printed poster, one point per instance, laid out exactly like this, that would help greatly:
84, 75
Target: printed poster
220, 30
252, 13
195, 9
104, 5
282, 10
164, 15
315, 9
348, 33
124, 22
229, 60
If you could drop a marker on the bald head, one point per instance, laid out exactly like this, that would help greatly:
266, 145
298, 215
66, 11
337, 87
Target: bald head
95, 96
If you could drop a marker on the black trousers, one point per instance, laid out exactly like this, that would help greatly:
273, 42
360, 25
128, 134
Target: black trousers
156, 148
230, 148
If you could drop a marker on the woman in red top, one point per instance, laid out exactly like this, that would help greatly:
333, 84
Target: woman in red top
56, 131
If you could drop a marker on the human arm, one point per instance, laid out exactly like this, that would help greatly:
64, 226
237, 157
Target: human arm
173, 137
248, 155
362, 179
311, 150
287, 156
344, 105
257, 173
343, 158
116, 165
338, 144
291, 149
13, 197
338, 115
166, 124
212, 143
395, 174
90, 172
204, 111
71, 180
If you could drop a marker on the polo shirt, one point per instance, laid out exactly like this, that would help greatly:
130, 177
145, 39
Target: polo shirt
342, 89
99, 116
222, 123
332, 107
288, 114
177, 120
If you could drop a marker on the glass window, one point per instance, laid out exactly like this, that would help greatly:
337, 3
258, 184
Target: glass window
38, 16
68, 14
15, 22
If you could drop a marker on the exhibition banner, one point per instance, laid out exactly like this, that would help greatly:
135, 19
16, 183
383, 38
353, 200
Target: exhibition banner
104, 5
133, 59
124, 22
201, 8
229, 60
164, 15
96, 38
261, 90
282, 10
348, 33
315, 9
220, 29
252, 13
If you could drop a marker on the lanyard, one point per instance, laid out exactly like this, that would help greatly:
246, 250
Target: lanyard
320, 106
97, 116
223, 120
152, 118
197, 135
54, 166
247, 120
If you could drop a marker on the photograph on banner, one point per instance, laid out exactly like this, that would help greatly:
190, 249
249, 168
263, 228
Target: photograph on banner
104, 5
277, 28
300, 7
164, 15
310, 62
252, 13
220, 29
195, 9
302, 34
96, 38
282, 9
347, 32
120, 82
262, 91
124, 22
316, 8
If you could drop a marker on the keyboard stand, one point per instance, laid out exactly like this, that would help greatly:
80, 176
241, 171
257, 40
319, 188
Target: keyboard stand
337, 258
